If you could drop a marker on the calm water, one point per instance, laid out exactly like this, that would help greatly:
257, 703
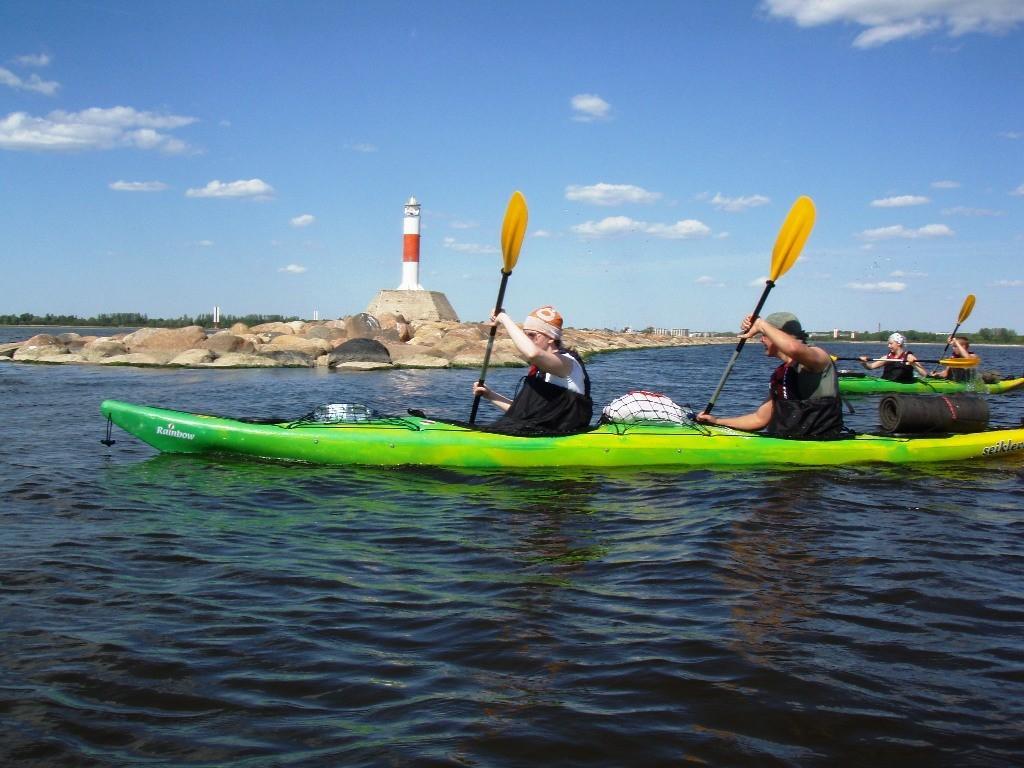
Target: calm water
178, 611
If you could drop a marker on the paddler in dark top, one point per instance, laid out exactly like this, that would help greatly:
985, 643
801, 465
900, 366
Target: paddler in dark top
554, 397
899, 364
803, 395
961, 347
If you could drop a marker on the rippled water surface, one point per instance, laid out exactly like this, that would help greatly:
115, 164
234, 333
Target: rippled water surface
182, 611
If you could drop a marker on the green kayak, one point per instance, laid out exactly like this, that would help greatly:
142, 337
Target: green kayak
871, 385
405, 440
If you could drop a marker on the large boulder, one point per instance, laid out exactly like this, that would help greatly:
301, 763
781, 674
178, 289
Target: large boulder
288, 358
77, 343
166, 341
396, 322
42, 340
228, 341
42, 347
136, 358
503, 354
474, 332
359, 351
362, 326
326, 332
102, 348
311, 347
243, 360
273, 328
191, 358
41, 353
416, 356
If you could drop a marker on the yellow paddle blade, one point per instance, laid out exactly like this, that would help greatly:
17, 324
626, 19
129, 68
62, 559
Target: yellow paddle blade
965, 310
513, 230
959, 362
792, 236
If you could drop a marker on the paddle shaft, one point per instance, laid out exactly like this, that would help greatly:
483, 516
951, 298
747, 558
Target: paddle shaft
952, 335
739, 348
950, 362
965, 312
490, 343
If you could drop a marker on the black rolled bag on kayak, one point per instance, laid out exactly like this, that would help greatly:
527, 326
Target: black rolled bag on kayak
922, 414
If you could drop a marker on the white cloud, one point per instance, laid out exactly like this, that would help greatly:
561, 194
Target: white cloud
205, 243
455, 245
543, 233
680, 230
901, 273
251, 188
945, 184
1018, 191
758, 281
295, 269
709, 281
303, 221
882, 287
899, 231
364, 147
900, 201
34, 60
138, 186
610, 194
888, 20
620, 225
1012, 135
735, 204
609, 226
93, 128
32, 83
963, 210
1009, 283
589, 107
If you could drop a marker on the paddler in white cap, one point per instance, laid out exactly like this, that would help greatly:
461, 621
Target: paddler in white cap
903, 361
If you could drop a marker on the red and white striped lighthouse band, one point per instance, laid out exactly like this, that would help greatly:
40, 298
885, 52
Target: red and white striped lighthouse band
544, 320
411, 238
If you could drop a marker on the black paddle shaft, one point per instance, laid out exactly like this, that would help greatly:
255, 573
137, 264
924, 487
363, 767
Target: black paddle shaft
769, 284
490, 343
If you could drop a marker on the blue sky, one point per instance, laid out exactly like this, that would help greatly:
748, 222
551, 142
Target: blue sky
166, 157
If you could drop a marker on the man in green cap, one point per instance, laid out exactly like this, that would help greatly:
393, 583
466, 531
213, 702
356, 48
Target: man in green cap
803, 394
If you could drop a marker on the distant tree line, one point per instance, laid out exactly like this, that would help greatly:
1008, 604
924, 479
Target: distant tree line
139, 320
981, 336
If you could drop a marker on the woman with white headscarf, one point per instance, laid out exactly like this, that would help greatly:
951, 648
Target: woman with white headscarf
899, 364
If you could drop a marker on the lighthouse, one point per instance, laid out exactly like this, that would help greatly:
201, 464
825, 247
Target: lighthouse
410, 299
411, 247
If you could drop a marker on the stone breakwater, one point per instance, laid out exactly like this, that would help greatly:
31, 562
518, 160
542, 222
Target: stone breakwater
358, 342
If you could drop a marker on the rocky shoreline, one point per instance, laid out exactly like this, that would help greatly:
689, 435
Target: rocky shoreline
358, 342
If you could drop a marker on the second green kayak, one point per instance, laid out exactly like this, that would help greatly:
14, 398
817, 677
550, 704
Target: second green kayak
871, 385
